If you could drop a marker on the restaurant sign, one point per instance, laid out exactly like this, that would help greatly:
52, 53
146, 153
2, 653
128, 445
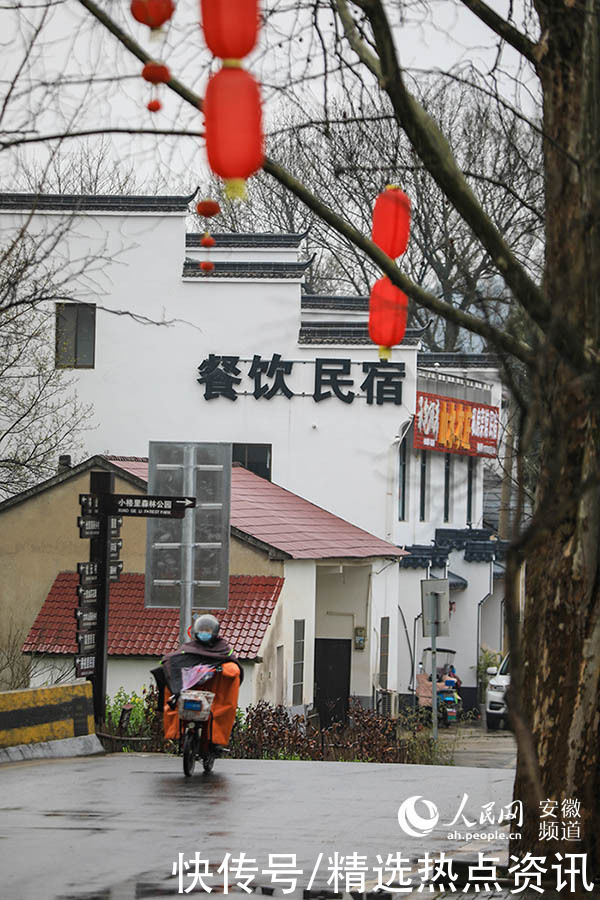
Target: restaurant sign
449, 425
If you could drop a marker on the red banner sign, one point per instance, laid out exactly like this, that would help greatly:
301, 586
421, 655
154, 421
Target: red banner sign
449, 425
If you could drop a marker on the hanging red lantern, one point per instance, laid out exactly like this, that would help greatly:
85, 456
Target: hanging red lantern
156, 73
207, 265
391, 221
230, 26
208, 241
208, 208
153, 13
234, 136
388, 312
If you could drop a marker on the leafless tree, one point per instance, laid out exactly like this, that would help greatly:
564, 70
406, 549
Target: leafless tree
18, 670
346, 160
546, 70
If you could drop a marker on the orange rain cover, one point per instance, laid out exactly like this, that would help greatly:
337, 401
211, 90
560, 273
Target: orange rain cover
226, 687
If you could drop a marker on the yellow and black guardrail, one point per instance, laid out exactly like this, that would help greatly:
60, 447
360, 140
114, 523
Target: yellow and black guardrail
41, 714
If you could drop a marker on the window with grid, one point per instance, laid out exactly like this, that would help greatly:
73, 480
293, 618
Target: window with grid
471, 489
298, 674
403, 480
384, 649
255, 457
447, 478
75, 336
423, 487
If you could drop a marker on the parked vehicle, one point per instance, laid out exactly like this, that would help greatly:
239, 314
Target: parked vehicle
496, 713
448, 699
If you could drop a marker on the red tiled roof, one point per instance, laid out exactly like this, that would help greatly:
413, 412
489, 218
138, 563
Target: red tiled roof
137, 631
284, 520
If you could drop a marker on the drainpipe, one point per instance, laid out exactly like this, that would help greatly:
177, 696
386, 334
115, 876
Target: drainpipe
413, 685
396, 441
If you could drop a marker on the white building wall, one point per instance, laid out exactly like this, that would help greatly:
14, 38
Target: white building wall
410, 601
144, 385
463, 622
414, 531
296, 601
343, 600
492, 619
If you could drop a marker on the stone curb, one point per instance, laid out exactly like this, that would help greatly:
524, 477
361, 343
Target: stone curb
85, 745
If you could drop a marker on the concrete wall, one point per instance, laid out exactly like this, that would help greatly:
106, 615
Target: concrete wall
343, 603
35, 715
296, 601
492, 619
244, 559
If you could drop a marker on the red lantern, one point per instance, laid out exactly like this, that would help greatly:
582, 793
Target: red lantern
156, 73
230, 26
234, 137
207, 266
388, 312
208, 208
208, 241
391, 221
154, 105
152, 13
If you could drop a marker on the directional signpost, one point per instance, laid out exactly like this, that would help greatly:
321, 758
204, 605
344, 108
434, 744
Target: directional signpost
100, 522
157, 506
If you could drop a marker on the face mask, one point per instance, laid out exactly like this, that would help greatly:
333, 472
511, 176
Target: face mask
204, 636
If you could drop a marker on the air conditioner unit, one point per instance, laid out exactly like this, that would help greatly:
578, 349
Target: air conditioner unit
388, 703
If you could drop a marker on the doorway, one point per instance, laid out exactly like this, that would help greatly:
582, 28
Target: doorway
332, 679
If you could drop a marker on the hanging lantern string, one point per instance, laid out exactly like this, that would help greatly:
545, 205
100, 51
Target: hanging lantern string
232, 107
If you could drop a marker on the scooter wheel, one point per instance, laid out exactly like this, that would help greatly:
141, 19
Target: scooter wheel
189, 753
208, 762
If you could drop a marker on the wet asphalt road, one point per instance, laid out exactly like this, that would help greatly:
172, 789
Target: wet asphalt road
110, 828
486, 749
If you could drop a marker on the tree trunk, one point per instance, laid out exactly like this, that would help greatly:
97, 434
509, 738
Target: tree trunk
561, 633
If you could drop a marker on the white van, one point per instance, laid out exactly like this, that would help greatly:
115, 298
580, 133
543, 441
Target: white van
495, 704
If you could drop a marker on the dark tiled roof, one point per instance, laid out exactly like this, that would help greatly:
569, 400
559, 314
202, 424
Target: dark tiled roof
230, 239
423, 555
346, 333
191, 269
95, 202
458, 360
343, 304
457, 582
134, 630
458, 538
480, 551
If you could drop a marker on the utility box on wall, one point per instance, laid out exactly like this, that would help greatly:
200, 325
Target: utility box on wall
360, 637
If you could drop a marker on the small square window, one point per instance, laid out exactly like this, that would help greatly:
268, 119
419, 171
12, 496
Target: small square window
75, 335
255, 457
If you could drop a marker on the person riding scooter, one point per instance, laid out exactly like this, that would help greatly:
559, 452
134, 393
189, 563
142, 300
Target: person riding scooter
205, 661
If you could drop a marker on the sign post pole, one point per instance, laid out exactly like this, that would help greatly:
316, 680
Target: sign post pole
187, 537
435, 599
101, 483
434, 704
